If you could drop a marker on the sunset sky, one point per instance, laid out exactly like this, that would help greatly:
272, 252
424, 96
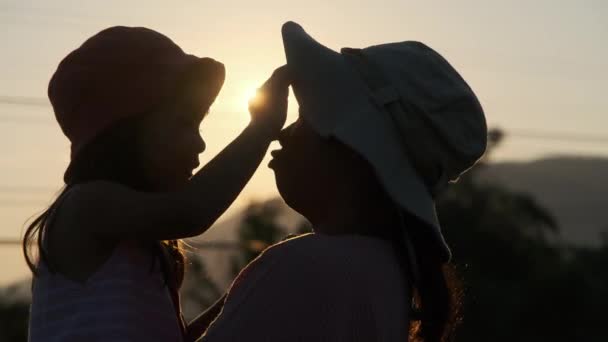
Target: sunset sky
538, 67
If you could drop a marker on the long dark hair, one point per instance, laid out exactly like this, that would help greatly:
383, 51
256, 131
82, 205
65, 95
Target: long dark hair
112, 156
437, 290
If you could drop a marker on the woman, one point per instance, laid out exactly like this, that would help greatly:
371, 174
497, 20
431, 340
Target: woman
381, 132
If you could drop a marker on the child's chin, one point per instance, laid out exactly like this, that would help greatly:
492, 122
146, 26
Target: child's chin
180, 182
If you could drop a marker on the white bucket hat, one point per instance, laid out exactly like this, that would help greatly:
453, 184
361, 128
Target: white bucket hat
401, 106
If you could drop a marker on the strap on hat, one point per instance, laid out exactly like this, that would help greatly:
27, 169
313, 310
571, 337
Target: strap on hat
384, 94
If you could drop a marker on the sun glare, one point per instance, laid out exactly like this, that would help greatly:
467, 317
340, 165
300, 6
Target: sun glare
250, 94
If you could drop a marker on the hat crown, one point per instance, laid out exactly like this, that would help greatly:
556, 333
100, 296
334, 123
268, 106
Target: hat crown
126, 44
401, 106
118, 72
438, 103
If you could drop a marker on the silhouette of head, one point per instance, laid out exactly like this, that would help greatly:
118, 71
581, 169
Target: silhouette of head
153, 152
130, 101
326, 181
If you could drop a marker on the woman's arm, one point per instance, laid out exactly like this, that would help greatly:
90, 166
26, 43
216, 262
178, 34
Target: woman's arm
113, 210
199, 325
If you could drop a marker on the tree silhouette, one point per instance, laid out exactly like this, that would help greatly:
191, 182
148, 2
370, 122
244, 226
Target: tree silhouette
198, 292
14, 315
519, 285
258, 230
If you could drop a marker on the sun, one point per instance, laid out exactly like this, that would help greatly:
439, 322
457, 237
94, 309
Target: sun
249, 94
246, 93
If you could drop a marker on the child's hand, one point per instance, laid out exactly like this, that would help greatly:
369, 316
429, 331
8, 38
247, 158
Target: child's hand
269, 107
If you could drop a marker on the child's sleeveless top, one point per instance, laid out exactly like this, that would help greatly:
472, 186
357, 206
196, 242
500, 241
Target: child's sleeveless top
126, 299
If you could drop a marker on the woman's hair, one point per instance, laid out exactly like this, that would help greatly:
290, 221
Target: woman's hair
112, 156
437, 292
436, 289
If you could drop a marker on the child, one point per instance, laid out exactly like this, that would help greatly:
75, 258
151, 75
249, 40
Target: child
109, 261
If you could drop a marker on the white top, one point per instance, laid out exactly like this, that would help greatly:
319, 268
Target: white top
318, 288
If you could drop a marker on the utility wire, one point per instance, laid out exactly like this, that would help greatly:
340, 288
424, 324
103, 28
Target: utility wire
25, 101
196, 244
559, 136
26, 189
526, 134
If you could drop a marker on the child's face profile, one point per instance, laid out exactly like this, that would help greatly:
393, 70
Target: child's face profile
171, 141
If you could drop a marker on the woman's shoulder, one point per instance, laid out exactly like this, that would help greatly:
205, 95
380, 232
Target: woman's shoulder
318, 264
335, 254
303, 245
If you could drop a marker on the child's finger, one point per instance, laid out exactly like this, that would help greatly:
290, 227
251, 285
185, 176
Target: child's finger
281, 77
279, 80
276, 88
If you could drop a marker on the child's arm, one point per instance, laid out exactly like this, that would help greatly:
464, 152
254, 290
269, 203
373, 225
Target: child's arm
113, 210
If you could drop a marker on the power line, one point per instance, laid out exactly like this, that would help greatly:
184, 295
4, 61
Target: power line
22, 203
25, 101
27, 188
221, 245
25, 120
526, 134
561, 136
534, 135
20, 190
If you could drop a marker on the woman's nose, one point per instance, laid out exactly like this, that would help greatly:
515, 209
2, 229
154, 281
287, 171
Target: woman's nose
200, 145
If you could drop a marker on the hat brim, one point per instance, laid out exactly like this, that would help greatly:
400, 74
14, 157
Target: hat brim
336, 102
206, 70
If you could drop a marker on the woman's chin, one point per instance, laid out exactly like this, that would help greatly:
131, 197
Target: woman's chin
181, 182
271, 164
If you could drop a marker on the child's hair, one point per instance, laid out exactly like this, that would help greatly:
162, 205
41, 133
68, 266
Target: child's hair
112, 156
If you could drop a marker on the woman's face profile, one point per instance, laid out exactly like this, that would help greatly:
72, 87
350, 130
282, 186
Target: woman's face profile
298, 166
311, 171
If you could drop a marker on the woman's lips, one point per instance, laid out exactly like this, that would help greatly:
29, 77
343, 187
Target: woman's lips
190, 170
276, 154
